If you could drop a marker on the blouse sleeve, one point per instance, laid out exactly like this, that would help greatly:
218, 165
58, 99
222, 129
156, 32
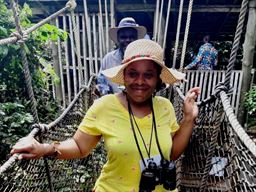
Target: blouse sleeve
90, 123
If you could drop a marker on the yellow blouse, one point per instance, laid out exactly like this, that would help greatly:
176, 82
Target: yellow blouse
109, 118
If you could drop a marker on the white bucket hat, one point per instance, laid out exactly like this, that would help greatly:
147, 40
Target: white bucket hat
143, 49
127, 22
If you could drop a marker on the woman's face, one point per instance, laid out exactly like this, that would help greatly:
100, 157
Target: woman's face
140, 80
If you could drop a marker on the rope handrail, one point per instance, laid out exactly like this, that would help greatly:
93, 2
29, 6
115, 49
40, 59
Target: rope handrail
70, 5
235, 46
43, 128
248, 142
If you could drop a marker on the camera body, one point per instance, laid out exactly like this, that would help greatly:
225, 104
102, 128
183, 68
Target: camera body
153, 175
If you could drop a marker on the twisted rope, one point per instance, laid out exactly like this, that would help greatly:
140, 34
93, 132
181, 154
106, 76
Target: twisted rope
186, 34
26, 71
235, 46
177, 34
239, 130
69, 6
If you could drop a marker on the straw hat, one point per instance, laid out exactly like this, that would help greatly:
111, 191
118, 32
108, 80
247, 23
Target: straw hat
127, 22
143, 49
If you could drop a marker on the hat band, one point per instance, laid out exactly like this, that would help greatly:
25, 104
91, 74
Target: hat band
134, 57
128, 25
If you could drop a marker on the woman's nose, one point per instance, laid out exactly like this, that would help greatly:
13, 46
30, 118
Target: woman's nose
140, 79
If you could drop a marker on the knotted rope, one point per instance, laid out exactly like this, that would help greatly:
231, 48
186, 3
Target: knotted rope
70, 5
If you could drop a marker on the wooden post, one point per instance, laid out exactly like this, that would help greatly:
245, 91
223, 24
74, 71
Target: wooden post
248, 54
56, 67
112, 20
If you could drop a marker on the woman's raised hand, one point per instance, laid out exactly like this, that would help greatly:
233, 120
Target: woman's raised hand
190, 106
30, 148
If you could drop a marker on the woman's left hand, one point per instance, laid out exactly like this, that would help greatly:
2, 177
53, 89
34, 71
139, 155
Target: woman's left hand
190, 108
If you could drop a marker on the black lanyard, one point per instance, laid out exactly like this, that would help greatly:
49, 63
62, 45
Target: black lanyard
153, 128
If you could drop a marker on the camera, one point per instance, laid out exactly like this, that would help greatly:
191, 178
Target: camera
152, 175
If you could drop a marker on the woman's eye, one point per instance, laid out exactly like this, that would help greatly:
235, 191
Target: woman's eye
148, 75
132, 74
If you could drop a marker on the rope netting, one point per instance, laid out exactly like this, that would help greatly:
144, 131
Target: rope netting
218, 158
66, 175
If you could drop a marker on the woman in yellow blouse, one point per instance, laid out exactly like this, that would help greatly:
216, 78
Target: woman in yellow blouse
139, 129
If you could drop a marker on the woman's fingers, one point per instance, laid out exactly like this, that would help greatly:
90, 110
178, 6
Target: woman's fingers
193, 93
27, 156
24, 144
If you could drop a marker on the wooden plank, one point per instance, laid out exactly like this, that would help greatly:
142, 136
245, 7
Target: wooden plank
73, 59
112, 20
67, 60
84, 46
101, 45
95, 45
100, 26
88, 30
60, 66
201, 79
192, 81
78, 50
106, 23
239, 88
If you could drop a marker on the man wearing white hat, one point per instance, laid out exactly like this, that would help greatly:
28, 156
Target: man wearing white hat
126, 32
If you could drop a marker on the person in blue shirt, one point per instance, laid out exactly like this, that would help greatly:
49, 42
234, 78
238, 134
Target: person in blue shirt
206, 58
126, 32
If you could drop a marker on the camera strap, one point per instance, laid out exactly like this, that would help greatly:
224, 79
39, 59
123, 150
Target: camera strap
153, 128
154, 123
132, 119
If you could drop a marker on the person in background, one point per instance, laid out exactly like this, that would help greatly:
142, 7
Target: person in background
206, 58
126, 32
141, 134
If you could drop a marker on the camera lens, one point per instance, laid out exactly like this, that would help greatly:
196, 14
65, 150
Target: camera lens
169, 176
147, 181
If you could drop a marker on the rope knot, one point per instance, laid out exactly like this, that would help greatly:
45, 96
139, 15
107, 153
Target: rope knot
71, 4
21, 38
42, 128
222, 87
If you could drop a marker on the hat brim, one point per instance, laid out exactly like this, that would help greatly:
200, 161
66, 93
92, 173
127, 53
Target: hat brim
141, 31
168, 76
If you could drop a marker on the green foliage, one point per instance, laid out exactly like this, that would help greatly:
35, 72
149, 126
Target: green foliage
14, 121
224, 49
250, 105
15, 108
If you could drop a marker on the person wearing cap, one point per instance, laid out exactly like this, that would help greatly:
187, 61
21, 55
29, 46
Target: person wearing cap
137, 126
126, 32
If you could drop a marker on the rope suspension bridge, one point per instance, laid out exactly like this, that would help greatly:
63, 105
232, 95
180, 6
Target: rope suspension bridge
219, 157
